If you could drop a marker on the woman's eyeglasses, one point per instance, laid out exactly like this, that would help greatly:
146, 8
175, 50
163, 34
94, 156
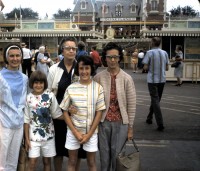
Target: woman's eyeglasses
68, 48
113, 56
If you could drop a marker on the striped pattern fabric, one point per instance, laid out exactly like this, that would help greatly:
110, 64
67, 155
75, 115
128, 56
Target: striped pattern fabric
87, 99
157, 60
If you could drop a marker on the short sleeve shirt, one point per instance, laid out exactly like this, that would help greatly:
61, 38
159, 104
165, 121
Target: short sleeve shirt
156, 59
39, 111
87, 99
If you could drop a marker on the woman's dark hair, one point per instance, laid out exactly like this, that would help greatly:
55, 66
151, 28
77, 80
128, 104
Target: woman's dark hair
8, 48
60, 48
87, 60
111, 46
38, 76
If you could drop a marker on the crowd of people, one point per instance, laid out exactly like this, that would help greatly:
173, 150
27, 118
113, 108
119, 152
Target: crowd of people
71, 110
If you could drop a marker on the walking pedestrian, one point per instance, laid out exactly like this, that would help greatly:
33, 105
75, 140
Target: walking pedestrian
42, 64
116, 124
96, 58
156, 62
81, 49
134, 60
178, 71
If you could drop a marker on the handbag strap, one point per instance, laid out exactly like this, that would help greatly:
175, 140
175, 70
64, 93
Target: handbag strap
134, 144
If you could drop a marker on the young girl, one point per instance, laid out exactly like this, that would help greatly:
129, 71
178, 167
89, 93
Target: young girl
41, 107
88, 98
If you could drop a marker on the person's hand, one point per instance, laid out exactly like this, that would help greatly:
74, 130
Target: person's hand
32, 61
27, 145
85, 139
72, 109
78, 136
130, 133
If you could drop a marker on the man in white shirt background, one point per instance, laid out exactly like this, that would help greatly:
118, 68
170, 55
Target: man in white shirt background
27, 56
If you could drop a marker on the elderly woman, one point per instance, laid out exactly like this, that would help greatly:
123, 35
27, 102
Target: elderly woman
13, 89
43, 61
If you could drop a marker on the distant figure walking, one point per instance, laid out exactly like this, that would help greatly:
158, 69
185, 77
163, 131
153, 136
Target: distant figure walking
156, 62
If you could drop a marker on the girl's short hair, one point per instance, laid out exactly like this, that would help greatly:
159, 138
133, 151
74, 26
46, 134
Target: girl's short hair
38, 76
87, 60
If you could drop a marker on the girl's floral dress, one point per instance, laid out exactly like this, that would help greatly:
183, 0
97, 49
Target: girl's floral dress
39, 111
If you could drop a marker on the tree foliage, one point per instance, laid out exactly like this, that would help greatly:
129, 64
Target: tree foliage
185, 11
62, 14
27, 13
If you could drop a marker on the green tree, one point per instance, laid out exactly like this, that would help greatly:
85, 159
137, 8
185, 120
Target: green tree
62, 14
27, 13
185, 11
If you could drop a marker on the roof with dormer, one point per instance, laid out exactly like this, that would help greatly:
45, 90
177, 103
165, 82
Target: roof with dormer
89, 6
111, 4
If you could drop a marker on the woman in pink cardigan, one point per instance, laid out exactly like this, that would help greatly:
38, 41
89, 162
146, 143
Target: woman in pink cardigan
116, 124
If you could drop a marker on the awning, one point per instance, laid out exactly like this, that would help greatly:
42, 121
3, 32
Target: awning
118, 40
50, 33
185, 33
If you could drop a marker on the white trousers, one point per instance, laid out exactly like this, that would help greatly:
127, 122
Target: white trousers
10, 141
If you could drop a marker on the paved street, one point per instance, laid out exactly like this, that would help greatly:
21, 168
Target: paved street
178, 147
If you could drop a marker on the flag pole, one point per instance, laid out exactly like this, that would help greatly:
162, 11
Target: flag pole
93, 17
15, 21
144, 12
20, 18
103, 16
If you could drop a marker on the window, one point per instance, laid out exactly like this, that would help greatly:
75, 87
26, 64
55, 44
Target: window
133, 8
154, 5
104, 9
83, 4
118, 10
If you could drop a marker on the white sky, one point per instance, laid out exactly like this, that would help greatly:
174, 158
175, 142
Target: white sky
51, 6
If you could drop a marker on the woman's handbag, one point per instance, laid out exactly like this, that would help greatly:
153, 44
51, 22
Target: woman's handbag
23, 159
176, 64
128, 162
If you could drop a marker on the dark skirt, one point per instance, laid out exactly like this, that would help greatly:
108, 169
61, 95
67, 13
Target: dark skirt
60, 138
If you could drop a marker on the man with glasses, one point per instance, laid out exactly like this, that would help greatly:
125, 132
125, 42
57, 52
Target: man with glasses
117, 120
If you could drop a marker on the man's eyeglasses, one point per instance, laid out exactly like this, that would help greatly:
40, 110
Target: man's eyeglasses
68, 48
112, 56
